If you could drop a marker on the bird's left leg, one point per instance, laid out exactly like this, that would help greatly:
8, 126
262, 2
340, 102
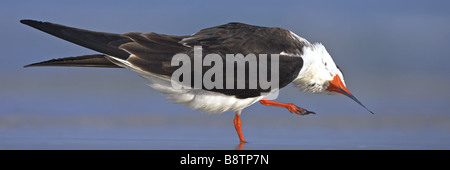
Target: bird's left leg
291, 107
237, 125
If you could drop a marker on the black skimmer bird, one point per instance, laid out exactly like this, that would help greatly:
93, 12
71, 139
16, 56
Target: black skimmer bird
307, 65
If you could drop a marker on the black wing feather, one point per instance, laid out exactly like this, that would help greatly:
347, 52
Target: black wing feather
106, 43
95, 60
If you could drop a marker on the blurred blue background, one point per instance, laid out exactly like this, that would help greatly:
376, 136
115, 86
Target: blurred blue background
394, 55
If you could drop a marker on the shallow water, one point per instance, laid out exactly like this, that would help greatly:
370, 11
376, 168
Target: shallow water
217, 132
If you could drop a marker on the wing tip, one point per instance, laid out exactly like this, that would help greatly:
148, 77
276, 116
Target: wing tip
38, 64
94, 60
43, 63
29, 65
30, 22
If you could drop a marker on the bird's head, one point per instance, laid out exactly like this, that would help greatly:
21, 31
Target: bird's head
321, 75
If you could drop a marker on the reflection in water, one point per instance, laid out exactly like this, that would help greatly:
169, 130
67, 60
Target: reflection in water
240, 146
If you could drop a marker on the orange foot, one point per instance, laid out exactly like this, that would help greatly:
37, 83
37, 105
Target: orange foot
291, 107
298, 110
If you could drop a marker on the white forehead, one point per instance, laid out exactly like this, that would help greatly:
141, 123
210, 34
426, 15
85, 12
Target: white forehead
318, 54
322, 52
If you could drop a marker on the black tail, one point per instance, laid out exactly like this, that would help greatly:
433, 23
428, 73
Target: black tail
106, 43
96, 60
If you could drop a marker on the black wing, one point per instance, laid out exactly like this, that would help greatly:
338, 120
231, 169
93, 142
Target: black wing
233, 38
95, 60
153, 52
106, 43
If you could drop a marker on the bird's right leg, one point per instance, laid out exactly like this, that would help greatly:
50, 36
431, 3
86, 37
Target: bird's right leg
291, 107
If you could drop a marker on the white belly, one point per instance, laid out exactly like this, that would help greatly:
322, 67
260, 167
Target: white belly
198, 99
205, 101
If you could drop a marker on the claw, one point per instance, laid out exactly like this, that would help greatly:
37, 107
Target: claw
309, 112
298, 110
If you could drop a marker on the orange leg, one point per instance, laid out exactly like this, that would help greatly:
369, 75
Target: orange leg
237, 125
291, 107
